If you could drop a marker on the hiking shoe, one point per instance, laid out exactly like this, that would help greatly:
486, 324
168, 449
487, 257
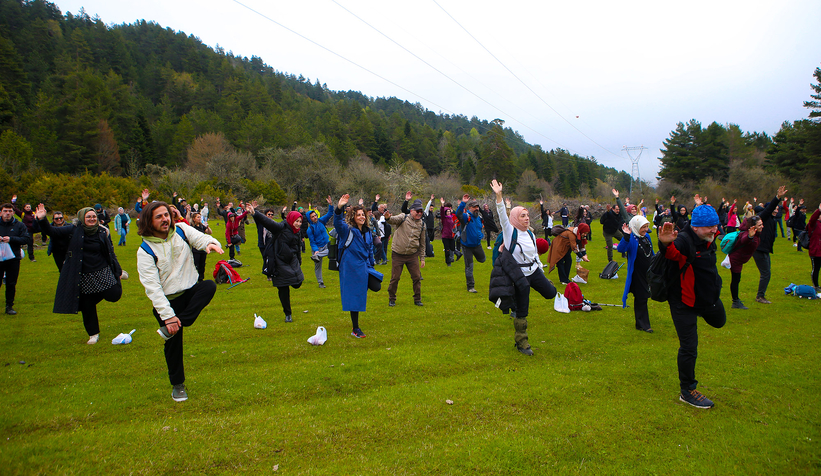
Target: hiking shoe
472, 290
739, 305
696, 399
649, 330
10, 311
358, 333
163, 332
392, 303
288, 318
178, 394
315, 258
93, 339
526, 351
419, 303
322, 285
458, 255
762, 300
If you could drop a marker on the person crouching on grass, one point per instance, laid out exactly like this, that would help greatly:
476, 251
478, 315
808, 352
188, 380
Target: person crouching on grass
695, 291
526, 266
170, 281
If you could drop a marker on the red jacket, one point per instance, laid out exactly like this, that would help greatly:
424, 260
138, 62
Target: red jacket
231, 226
814, 229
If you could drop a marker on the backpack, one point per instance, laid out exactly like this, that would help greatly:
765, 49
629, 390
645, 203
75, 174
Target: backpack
801, 291
144, 246
804, 239
224, 273
514, 240
611, 270
337, 249
557, 230
235, 263
660, 272
574, 296
729, 241
790, 221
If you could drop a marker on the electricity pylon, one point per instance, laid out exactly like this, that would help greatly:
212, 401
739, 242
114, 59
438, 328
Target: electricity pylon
634, 171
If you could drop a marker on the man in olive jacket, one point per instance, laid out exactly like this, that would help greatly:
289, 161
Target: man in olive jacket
407, 249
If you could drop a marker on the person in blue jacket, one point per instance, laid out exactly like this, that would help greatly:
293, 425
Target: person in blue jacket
471, 237
318, 237
637, 244
356, 263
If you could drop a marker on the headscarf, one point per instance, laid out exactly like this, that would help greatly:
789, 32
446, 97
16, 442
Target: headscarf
291, 218
81, 217
636, 223
515, 220
581, 232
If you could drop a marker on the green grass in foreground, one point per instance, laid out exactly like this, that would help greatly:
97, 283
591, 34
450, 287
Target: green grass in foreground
598, 397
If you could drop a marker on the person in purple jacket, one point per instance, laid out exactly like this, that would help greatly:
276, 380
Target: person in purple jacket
749, 237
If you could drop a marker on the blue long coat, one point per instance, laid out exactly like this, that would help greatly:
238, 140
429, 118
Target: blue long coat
354, 264
630, 245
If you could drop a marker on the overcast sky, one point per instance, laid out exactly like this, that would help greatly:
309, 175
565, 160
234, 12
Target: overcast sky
586, 76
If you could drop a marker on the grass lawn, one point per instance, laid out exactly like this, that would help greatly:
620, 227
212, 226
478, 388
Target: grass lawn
598, 397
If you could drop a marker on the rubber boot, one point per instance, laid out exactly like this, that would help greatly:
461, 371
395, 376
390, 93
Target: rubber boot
520, 326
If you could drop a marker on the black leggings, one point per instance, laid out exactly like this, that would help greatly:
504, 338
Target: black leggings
88, 306
736, 279
539, 283
816, 264
285, 297
355, 319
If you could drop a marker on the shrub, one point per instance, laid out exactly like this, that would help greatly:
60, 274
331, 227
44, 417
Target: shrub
70, 193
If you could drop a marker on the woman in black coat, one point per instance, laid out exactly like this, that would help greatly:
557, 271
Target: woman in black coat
283, 254
90, 272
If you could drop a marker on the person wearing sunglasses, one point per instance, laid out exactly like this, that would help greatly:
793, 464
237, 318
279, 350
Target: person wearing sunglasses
58, 248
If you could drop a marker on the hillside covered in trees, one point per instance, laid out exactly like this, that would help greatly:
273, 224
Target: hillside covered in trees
137, 100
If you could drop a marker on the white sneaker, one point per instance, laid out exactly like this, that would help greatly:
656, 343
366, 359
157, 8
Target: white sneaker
163, 332
578, 279
795, 245
93, 339
490, 247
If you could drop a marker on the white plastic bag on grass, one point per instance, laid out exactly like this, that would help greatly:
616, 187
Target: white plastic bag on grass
560, 303
123, 338
320, 337
726, 262
259, 322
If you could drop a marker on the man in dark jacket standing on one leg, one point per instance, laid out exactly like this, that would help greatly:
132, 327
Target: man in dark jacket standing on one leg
16, 235
765, 246
695, 291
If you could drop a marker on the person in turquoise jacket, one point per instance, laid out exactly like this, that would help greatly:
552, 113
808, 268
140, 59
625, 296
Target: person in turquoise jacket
471, 237
121, 222
637, 244
319, 238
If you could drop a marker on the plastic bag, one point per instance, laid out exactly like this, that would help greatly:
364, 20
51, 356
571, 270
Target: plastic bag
560, 303
123, 338
320, 337
5, 252
726, 262
259, 322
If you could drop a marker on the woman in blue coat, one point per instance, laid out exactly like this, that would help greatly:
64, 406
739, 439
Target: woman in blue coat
637, 244
355, 255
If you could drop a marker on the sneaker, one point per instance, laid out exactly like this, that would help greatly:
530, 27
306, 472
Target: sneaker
458, 255
579, 279
739, 305
10, 311
322, 285
696, 399
490, 247
419, 303
288, 318
93, 339
392, 303
526, 351
163, 332
315, 258
178, 394
794, 245
472, 290
34, 260
358, 333
762, 300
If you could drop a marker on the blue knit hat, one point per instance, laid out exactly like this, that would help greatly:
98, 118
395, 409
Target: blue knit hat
704, 215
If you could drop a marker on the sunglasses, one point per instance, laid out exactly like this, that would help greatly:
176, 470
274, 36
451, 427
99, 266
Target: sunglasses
58, 218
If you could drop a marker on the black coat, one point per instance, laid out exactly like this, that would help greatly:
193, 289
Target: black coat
768, 233
611, 222
18, 234
487, 219
282, 255
67, 297
505, 278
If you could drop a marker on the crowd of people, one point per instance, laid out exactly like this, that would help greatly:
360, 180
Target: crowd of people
176, 238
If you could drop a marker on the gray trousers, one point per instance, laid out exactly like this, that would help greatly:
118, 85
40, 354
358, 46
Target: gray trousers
762, 261
608, 238
471, 252
318, 264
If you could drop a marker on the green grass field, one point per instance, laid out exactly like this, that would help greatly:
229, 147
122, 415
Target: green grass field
598, 397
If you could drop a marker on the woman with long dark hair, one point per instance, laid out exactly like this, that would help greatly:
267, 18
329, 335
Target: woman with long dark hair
91, 272
356, 262
283, 254
749, 237
448, 236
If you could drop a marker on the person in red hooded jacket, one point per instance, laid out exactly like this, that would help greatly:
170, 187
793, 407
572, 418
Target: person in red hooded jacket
814, 230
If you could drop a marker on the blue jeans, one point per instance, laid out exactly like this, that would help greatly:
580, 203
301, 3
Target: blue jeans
122, 239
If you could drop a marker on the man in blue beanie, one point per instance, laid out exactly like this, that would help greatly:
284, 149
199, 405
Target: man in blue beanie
695, 291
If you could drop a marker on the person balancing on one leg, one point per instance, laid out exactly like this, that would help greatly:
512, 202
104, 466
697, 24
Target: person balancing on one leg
166, 267
695, 291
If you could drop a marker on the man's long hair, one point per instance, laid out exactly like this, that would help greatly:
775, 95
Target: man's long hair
146, 227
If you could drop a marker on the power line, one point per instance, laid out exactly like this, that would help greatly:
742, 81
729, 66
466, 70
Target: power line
520, 80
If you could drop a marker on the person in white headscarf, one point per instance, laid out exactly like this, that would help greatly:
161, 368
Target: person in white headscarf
637, 244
